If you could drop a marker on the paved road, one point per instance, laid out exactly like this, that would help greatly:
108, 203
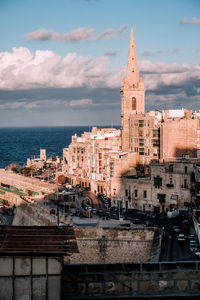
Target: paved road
93, 198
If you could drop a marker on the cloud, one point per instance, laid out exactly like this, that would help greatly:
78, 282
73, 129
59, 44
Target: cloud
80, 102
153, 53
111, 53
193, 21
82, 34
44, 83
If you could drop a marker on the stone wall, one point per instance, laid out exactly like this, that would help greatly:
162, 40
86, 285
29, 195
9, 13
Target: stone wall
98, 245
28, 214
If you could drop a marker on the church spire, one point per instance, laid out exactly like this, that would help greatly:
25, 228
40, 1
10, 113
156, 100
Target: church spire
132, 71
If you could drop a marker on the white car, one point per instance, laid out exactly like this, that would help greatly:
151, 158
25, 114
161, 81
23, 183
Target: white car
181, 238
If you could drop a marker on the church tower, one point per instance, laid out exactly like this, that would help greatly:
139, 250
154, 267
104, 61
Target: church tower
132, 95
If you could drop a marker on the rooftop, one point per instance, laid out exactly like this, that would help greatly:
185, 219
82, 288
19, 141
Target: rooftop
37, 240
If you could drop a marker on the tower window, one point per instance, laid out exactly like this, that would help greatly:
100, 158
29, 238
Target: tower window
133, 103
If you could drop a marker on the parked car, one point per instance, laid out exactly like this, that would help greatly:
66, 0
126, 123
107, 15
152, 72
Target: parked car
193, 246
176, 229
150, 215
181, 238
136, 221
197, 254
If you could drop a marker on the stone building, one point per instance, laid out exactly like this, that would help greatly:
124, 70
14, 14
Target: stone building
165, 186
99, 159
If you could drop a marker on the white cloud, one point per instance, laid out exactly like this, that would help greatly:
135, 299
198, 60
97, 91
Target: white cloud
193, 21
76, 35
87, 80
80, 103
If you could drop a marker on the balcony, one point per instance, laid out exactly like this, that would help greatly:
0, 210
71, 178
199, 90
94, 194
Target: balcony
169, 185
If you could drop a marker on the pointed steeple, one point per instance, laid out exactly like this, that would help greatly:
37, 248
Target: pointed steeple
132, 71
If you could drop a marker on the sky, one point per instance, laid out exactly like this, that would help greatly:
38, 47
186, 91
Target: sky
62, 62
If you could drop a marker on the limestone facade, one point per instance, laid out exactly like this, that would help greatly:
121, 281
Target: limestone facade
99, 159
166, 187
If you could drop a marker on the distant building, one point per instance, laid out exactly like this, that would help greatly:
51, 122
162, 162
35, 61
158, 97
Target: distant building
100, 159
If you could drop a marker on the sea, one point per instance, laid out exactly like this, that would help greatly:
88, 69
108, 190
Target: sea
19, 143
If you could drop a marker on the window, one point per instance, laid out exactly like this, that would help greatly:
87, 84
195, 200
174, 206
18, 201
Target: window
155, 132
133, 103
157, 182
126, 193
141, 142
100, 170
155, 143
111, 166
161, 198
100, 163
186, 169
74, 150
141, 123
136, 193
145, 194
140, 132
141, 151
171, 168
136, 149
170, 180
100, 155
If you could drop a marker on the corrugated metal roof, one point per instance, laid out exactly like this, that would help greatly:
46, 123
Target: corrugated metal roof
37, 240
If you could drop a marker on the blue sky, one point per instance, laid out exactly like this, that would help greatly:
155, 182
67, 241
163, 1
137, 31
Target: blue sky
62, 62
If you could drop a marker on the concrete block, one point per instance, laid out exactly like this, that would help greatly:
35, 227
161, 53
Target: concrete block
54, 266
6, 291
39, 265
94, 288
147, 286
54, 287
166, 285
181, 285
39, 288
195, 285
22, 288
22, 266
6, 264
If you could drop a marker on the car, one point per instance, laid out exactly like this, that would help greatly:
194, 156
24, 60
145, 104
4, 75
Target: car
141, 212
150, 215
176, 229
147, 224
191, 237
94, 211
136, 221
181, 238
197, 254
193, 247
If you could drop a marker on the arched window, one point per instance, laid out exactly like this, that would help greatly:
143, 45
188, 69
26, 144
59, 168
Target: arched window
133, 103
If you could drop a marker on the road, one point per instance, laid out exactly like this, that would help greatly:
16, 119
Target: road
171, 249
96, 203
